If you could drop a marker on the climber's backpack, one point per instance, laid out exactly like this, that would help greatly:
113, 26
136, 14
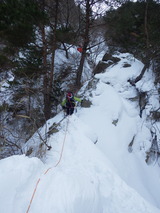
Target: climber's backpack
70, 102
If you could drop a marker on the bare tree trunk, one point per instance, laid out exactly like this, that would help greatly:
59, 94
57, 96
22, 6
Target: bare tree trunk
145, 25
147, 54
54, 44
49, 74
66, 50
80, 69
85, 44
146, 66
45, 78
44, 62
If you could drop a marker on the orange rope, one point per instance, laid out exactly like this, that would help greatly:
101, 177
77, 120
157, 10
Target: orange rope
50, 167
63, 144
33, 195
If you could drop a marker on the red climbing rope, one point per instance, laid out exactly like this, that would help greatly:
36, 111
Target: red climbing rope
62, 149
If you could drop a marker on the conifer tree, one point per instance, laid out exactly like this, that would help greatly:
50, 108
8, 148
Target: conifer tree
135, 27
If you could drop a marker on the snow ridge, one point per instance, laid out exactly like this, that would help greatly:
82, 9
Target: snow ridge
101, 177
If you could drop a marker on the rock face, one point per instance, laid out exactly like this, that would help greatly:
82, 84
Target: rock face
86, 103
110, 57
107, 60
101, 66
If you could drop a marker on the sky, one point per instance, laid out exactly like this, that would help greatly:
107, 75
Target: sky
89, 168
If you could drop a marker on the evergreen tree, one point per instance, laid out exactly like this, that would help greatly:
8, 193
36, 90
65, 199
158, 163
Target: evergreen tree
135, 28
18, 21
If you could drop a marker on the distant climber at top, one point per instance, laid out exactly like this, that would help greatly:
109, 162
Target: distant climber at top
69, 103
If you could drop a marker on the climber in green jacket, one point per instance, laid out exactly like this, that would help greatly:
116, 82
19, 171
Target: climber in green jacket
68, 104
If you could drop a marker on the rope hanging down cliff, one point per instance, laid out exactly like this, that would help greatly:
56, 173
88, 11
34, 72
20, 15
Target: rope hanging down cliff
59, 160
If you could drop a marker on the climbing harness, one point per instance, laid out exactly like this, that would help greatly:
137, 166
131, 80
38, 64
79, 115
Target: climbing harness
59, 160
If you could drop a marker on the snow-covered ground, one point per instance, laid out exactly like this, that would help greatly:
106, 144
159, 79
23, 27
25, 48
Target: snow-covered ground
89, 168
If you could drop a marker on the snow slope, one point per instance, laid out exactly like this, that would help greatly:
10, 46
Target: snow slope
111, 103
89, 168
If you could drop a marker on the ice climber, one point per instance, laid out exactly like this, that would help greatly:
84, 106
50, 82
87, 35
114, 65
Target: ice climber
69, 103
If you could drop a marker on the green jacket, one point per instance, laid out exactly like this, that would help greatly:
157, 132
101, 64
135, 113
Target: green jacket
75, 98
